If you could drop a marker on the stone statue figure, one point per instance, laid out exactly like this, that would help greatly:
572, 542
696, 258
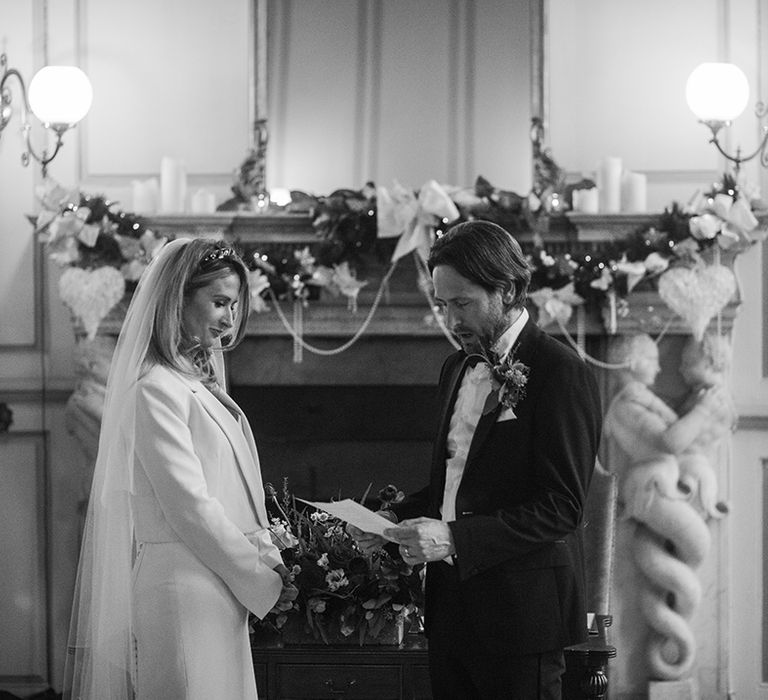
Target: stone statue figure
667, 491
705, 366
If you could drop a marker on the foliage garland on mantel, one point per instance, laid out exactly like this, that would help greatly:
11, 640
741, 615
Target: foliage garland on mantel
105, 249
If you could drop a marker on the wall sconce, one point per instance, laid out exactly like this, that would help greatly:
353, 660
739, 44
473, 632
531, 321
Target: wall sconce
59, 96
717, 93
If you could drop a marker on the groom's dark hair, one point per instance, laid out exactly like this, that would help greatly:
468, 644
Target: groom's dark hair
485, 254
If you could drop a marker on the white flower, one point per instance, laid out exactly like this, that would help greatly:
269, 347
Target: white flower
347, 283
656, 263
603, 282
282, 535
336, 579
721, 205
65, 252
546, 260
322, 562
133, 270
305, 259
130, 248
257, 283
705, 227
635, 271
322, 276
316, 605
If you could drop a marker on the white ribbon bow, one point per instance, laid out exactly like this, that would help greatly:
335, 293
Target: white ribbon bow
732, 219
401, 213
555, 304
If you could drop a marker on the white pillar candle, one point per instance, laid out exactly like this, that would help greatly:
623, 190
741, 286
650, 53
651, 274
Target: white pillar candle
633, 193
145, 196
173, 185
609, 185
587, 200
141, 203
203, 202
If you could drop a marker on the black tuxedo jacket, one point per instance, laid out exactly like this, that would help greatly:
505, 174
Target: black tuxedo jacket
519, 506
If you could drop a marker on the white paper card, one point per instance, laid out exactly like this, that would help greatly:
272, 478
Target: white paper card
355, 514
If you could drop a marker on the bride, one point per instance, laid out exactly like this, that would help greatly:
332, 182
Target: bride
176, 548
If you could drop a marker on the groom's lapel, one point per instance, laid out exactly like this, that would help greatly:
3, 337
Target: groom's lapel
523, 352
482, 430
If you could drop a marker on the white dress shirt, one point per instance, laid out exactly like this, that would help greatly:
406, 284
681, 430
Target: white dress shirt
475, 387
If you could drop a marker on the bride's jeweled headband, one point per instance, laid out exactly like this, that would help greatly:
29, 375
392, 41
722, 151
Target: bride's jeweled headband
219, 253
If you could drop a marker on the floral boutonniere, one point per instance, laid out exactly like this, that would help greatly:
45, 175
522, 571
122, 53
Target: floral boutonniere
509, 378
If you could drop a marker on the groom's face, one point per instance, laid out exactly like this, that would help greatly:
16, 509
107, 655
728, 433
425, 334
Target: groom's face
475, 316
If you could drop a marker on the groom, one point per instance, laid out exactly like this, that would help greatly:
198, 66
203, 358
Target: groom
499, 522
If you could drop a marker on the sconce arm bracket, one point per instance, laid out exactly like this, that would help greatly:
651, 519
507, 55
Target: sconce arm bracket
715, 126
6, 113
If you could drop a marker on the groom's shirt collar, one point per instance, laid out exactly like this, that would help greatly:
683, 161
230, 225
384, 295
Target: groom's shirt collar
508, 338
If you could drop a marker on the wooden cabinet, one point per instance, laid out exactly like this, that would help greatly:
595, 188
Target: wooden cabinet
360, 673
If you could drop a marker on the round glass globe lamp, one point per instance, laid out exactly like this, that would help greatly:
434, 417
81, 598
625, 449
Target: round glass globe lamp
717, 92
60, 96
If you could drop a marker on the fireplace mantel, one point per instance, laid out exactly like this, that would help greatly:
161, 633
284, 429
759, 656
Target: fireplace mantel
404, 310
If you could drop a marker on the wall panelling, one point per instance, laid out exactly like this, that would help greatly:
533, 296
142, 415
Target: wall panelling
24, 661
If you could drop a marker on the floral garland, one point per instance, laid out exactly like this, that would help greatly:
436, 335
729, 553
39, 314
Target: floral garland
719, 220
347, 223
106, 250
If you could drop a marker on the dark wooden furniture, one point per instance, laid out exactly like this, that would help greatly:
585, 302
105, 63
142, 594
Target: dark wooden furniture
320, 672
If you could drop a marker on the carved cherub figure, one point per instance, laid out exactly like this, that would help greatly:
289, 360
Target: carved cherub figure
704, 367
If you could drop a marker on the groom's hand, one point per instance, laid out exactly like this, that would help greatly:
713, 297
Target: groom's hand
422, 539
368, 541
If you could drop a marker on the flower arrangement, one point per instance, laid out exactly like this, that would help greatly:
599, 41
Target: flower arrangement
103, 249
341, 590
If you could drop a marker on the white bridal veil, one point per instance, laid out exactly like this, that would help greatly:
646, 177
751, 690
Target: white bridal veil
100, 649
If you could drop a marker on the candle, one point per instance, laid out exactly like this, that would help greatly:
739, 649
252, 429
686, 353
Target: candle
203, 202
633, 193
173, 185
586, 201
145, 196
609, 185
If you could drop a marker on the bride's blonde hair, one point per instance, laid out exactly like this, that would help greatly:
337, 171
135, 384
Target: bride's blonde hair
193, 266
